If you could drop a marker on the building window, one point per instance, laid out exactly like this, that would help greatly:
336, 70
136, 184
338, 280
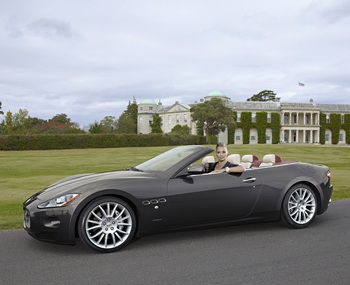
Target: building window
269, 117
238, 117
177, 119
286, 118
238, 138
150, 108
141, 108
253, 117
342, 119
307, 119
295, 119
185, 119
141, 120
252, 138
169, 119
268, 137
327, 137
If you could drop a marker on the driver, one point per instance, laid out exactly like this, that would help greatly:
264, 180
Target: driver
222, 165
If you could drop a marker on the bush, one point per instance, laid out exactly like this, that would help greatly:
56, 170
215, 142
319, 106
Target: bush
79, 141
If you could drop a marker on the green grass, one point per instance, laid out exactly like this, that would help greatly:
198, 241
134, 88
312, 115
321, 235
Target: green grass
23, 173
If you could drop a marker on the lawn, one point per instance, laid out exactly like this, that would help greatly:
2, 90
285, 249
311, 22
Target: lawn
23, 173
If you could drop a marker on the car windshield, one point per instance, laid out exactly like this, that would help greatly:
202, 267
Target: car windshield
167, 159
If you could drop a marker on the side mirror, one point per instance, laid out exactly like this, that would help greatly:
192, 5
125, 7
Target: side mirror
195, 169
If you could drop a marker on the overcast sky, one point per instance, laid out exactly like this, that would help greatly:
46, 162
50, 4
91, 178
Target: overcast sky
88, 58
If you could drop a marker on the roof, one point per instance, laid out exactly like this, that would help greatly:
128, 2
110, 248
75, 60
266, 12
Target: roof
255, 105
334, 108
216, 93
149, 101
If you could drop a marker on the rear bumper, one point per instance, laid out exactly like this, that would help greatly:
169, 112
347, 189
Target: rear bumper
327, 194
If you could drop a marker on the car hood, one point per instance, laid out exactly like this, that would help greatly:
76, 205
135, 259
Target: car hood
83, 182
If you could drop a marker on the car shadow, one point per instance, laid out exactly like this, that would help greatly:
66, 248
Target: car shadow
181, 237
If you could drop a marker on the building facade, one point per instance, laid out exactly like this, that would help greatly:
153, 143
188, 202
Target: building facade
260, 122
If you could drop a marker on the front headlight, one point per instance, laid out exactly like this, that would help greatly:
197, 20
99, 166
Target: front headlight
59, 201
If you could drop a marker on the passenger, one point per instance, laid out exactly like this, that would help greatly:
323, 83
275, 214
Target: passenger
222, 165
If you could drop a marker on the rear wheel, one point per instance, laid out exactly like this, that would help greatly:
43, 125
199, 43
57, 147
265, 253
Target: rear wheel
299, 206
107, 224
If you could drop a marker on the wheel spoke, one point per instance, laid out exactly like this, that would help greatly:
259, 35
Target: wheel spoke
103, 211
114, 210
94, 227
121, 213
99, 233
118, 236
124, 224
123, 232
101, 237
122, 219
97, 217
108, 212
94, 222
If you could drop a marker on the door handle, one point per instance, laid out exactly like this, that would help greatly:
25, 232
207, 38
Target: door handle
249, 180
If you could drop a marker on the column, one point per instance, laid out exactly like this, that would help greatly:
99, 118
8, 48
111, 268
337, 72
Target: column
290, 136
297, 136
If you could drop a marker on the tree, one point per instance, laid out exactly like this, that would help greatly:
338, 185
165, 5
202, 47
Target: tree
96, 128
21, 121
156, 124
9, 122
127, 121
61, 118
131, 111
62, 124
213, 115
181, 130
126, 125
109, 124
264, 96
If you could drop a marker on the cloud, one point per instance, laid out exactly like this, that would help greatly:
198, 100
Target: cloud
51, 28
88, 59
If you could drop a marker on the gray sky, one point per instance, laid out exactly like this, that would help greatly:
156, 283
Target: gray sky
88, 58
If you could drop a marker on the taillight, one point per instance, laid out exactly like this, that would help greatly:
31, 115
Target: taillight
328, 174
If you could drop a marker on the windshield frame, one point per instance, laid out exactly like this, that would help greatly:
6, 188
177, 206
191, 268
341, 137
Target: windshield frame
174, 159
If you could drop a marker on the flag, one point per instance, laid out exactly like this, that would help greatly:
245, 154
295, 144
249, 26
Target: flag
301, 84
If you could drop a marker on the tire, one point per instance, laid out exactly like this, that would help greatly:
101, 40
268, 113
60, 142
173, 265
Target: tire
107, 224
299, 206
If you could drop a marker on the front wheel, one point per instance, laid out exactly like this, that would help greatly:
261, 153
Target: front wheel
107, 224
299, 206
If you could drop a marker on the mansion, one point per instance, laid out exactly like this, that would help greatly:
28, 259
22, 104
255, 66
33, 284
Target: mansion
301, 123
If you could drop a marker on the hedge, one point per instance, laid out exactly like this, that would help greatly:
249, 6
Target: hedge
79, 141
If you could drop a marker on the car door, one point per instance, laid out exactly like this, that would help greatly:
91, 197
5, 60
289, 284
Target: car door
206, 198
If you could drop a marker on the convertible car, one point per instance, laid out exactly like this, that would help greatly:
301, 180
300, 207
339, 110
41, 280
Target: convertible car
171, 191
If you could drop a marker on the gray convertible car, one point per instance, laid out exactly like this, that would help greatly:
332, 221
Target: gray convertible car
171, 191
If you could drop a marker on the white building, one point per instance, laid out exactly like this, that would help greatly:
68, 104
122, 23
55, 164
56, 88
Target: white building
299, 122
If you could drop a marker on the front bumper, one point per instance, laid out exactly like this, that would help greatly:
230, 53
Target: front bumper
53, 225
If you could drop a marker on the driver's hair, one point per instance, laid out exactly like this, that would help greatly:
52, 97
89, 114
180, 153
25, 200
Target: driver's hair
221, 144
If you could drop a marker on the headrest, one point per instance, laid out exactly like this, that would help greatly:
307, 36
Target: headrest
234, 158
271, 158
208, 159
249, 158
